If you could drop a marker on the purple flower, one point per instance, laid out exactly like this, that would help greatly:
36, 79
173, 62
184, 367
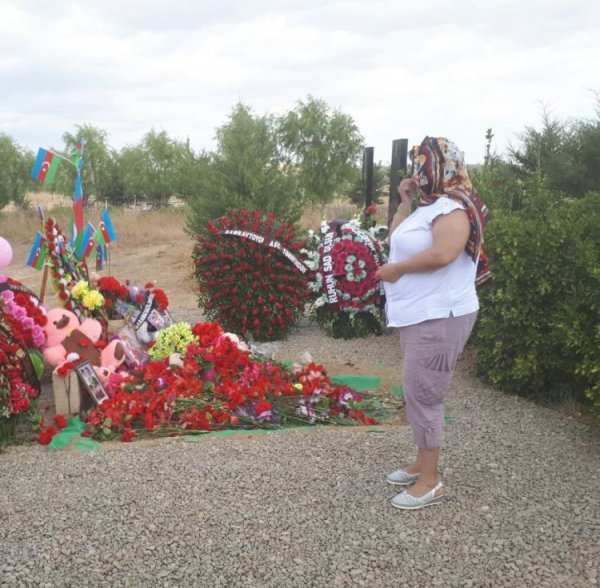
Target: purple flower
267, 415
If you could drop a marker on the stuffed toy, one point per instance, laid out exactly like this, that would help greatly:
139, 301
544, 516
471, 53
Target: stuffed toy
66, 337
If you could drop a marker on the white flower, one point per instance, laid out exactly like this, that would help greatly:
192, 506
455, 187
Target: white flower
320, 301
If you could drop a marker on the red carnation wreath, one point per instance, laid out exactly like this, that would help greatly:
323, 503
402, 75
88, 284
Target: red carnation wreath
251, 280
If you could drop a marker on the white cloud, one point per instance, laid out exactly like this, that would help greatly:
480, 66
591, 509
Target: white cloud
400, 69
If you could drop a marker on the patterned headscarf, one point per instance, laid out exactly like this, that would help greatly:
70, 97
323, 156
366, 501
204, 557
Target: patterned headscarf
439, 170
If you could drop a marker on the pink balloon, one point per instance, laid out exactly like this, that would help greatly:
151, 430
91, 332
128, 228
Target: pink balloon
6, 252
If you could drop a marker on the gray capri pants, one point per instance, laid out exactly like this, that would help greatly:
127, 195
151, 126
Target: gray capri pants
430, 351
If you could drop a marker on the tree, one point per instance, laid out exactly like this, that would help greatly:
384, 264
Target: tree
322, 146
567, 154
153, 170
245, 172
99, 169
381, 184
14, 172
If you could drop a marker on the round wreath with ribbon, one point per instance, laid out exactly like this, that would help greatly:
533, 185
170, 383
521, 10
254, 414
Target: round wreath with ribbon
251, 279
349, 298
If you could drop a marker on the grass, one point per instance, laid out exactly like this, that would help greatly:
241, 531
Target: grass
133, 228
137, 228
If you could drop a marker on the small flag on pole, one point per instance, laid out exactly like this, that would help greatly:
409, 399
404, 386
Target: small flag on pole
106, 227
45, 166
100, 254
37, 255
84, 242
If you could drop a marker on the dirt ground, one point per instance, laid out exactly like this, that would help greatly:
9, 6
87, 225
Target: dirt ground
168, 265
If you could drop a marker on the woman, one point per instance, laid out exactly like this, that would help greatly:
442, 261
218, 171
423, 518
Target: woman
436, 254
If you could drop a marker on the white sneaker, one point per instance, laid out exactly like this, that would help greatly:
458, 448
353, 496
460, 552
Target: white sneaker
401, 478
408, 502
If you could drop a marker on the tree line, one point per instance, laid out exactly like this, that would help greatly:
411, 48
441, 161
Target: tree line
307, 155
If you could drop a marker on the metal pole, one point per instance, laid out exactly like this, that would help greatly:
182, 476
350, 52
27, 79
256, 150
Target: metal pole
397, 172
368, 155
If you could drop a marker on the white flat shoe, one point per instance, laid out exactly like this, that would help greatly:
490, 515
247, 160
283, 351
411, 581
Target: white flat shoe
401, 478
408, 502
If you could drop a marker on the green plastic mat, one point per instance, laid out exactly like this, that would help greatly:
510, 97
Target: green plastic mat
360, 383
71, 436
397, 390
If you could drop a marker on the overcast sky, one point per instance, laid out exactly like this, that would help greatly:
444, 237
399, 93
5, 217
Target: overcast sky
401, 69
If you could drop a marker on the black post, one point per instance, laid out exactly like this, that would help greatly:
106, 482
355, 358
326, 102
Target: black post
397, 172
368, 155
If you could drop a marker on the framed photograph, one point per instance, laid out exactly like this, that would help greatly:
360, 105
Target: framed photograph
89, 380
135, 353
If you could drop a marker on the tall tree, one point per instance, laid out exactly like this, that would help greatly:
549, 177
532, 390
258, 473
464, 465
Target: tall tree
245, 171
98, 173
322, 146
566, 153
16, 164
152, 170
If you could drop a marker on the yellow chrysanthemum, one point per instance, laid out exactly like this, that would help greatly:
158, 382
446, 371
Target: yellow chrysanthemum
173, 339
93, 300
80, 289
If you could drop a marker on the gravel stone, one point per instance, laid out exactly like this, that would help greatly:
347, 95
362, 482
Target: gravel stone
310, 507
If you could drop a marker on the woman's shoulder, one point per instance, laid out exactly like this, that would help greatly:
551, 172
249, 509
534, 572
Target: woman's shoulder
442, 206
445, 204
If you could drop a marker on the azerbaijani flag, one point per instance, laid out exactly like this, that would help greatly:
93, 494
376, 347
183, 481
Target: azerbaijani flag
84, 242
45, 166
37, 255
98, 255
106, 227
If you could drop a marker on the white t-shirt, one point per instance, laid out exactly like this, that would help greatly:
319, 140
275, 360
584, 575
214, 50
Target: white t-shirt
423, 296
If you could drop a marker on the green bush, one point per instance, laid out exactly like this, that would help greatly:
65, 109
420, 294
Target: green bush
539, 333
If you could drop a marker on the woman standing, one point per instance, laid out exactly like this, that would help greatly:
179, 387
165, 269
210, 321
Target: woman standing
436, 257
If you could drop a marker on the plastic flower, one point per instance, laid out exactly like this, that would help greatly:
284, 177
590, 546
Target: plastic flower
173, 339
93, 300
80, 290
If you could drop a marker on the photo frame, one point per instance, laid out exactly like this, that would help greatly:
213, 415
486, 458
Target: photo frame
135, 353
90, 382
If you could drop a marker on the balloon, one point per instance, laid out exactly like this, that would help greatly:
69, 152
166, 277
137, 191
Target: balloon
6, 252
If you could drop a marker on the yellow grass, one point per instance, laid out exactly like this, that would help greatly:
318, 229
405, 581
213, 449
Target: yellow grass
137, 228
133, 228
339, 209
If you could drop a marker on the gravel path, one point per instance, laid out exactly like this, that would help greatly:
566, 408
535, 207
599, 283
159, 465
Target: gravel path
310, 507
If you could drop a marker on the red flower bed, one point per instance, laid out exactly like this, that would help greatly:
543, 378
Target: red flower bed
219, 386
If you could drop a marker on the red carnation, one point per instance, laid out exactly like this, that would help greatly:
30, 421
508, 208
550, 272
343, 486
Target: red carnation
46, 436
61, 421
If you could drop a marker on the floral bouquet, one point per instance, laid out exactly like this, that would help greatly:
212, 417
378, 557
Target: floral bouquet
22, 318
250, 278
348, 299
217, 384
70, 276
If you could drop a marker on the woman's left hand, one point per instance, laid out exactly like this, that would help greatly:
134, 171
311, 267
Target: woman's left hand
389, 272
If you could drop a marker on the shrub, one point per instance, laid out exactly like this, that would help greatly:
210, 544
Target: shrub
538, 333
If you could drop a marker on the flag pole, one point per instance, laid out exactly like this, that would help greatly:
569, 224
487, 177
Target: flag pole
108, 244
40, 212
64, 158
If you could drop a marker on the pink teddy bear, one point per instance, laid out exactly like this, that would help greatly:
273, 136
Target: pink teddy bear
66, 336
